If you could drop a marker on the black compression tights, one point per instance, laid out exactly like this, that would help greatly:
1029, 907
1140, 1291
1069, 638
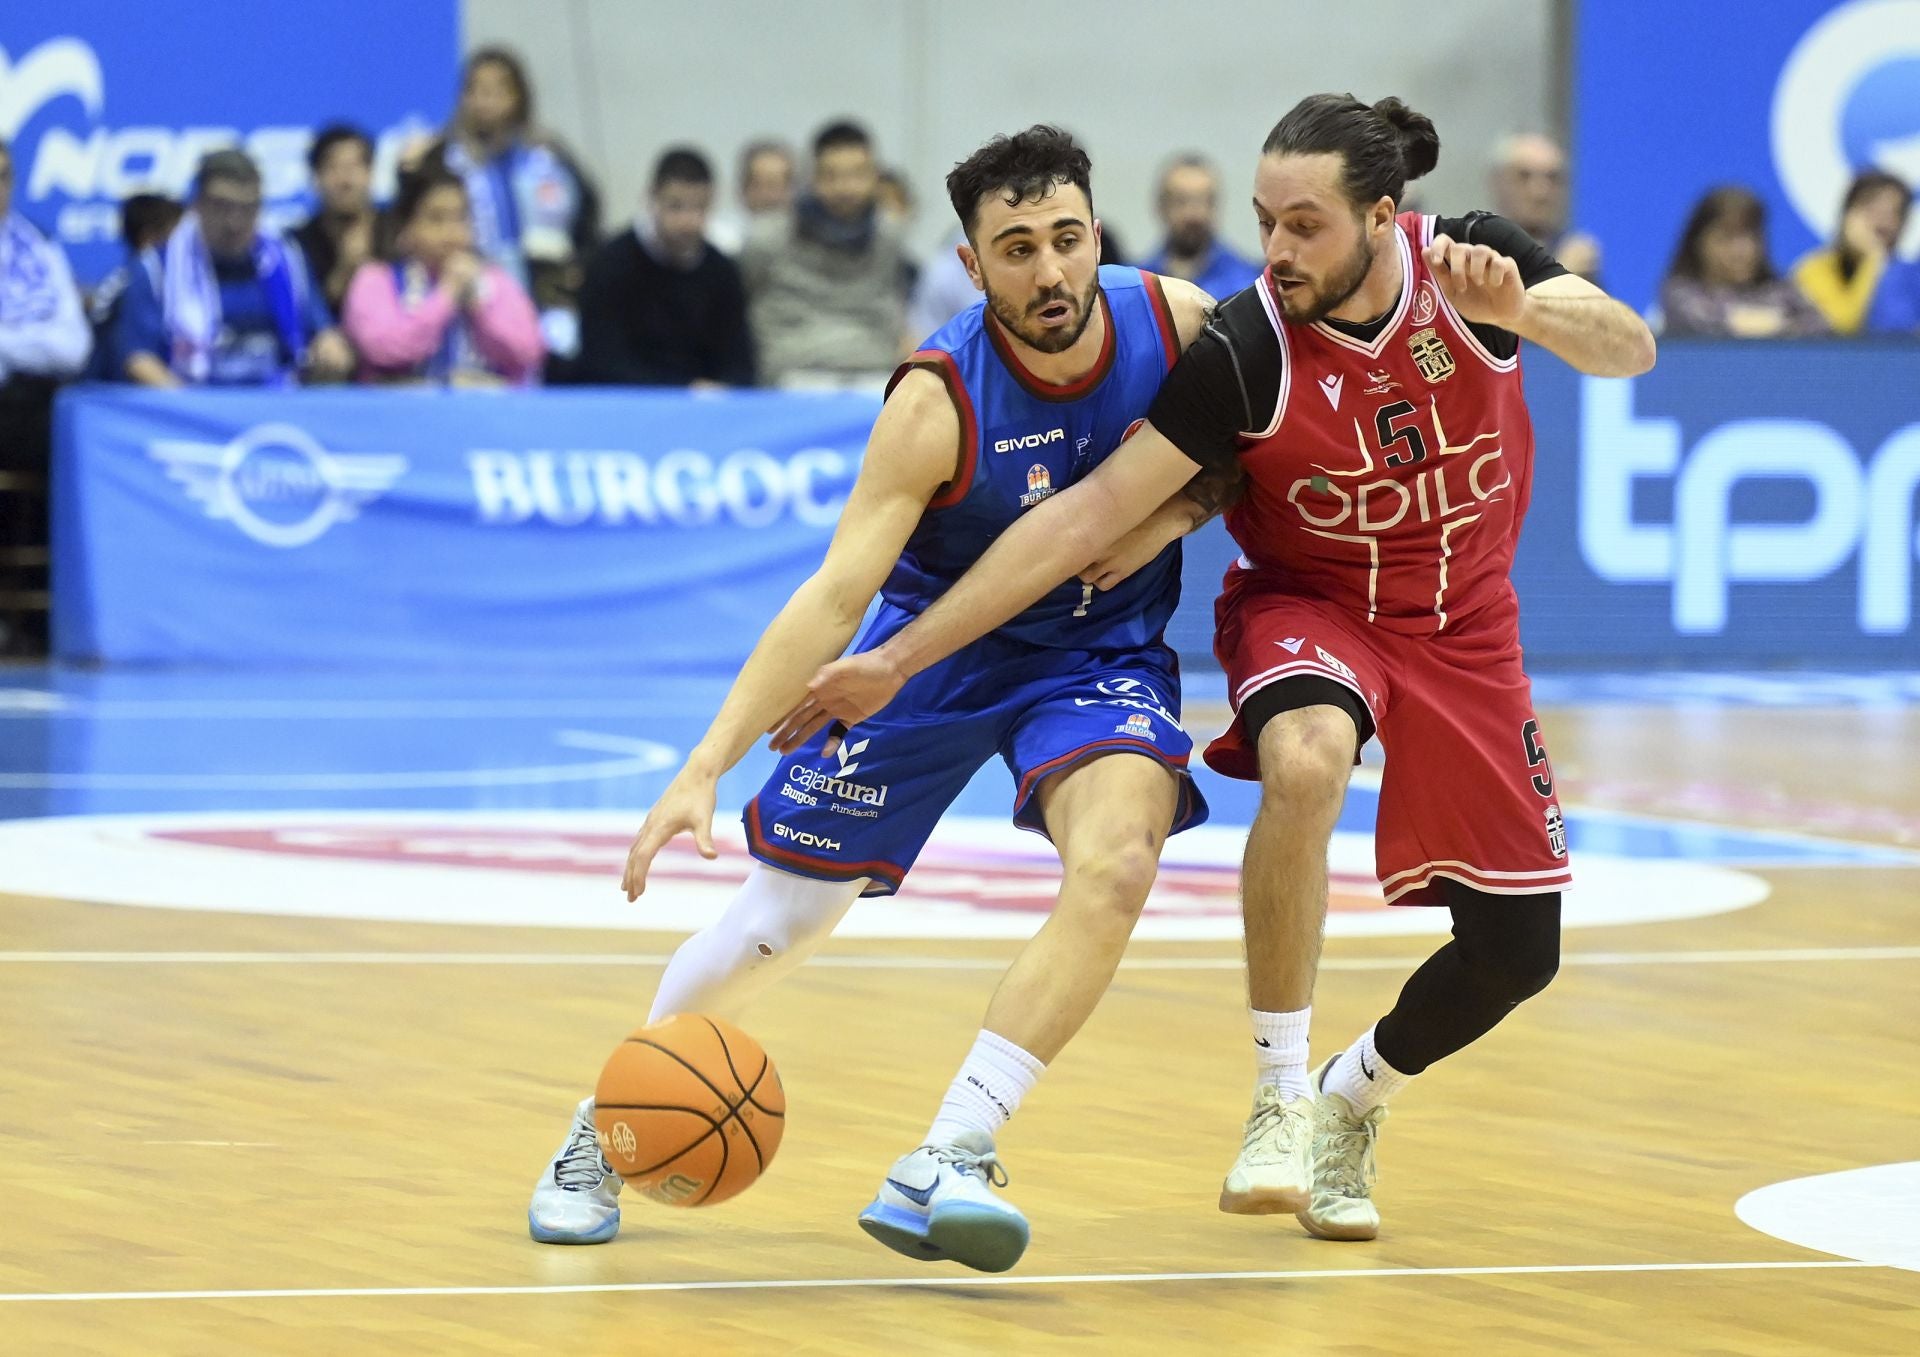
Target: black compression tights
1505, 949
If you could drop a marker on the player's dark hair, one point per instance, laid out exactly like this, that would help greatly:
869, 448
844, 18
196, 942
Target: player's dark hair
837, 134
337, 134
681, 165
1385, 146
1028, 164
1730, 205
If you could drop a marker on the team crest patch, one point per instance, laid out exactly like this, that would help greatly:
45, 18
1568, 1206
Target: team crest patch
1138, 726
1425, 304
1039, 485
1431, 354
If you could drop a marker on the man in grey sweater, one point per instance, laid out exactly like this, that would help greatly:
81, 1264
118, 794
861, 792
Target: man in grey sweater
827, 283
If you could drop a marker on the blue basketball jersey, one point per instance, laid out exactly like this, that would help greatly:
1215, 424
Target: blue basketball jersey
1023, 440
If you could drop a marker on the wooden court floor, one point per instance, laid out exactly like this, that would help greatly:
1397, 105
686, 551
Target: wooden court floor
265, 1154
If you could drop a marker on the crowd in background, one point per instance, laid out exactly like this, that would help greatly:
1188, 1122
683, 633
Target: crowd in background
489, 267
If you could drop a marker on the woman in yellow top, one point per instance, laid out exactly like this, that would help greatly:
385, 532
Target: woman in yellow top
1841, 278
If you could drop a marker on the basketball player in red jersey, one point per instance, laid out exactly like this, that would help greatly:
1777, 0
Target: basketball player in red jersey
1368, 388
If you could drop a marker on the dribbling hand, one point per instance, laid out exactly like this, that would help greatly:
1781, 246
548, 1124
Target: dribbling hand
686, 807
1480, 283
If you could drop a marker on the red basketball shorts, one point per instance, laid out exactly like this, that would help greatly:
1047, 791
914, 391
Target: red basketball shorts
1468, 792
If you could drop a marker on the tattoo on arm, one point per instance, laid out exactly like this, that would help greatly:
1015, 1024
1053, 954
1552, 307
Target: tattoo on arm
1213, 491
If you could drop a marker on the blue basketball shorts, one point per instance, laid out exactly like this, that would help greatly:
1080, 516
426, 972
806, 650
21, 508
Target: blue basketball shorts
869, 808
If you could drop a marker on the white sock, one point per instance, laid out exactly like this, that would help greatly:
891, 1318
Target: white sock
773, 923
1280, 1048
1361, 1077
993, 1079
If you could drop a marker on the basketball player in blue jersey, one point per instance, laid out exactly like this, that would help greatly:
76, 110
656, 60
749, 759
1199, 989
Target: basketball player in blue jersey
1018, 397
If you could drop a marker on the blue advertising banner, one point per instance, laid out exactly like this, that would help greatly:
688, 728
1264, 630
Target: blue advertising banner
433, 529
1740, 505
107, 98
1790, 98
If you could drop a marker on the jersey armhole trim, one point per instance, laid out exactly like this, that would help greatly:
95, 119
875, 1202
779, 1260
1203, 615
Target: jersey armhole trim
1429, 225
1286, 367
1163, 312
941, 363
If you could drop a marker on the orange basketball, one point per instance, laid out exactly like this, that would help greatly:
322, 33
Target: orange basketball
690, 1110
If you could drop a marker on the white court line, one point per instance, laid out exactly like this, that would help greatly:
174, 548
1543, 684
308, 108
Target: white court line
1755, 956
854, 1283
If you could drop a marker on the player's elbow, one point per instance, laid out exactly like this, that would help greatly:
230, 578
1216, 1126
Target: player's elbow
1642, 350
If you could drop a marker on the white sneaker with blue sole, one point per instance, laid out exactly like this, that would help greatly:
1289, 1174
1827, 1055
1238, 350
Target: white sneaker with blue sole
577, 1200
939, 1203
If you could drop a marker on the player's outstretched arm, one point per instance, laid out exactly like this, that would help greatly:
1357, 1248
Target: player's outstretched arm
1051, 544
1567, 315
1206, 495
910, 455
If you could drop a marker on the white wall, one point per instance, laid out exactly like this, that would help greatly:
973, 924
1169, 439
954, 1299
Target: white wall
1136, 80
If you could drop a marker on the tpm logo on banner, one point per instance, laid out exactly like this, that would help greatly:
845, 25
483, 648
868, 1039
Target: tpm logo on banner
1862, 509
100, 101
276, 483
1848, 98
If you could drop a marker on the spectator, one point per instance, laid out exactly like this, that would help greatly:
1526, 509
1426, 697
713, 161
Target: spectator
895, 196
825, 282
943, 291
535, 213
1529, 184
341, 234
661, 306
146, 220
230, 304
440, 313
1189, 208
43, 341
1841, 278
766, 190
1721, 281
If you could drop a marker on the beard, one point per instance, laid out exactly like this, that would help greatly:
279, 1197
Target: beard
1021, 323
1321, 299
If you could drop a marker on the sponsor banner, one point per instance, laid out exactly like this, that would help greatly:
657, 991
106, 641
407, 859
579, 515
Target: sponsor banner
1791, 99
978, 878
628, 529
1740, 505
113, 97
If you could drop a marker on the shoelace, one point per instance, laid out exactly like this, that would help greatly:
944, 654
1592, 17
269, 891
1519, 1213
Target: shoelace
986, 1165
580, 1167
1348, 1161
1267, 1120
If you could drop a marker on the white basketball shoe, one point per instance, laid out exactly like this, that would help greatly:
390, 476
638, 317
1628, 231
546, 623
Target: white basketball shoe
577, 1200
939, 1203
1341, 1204
1274, 1173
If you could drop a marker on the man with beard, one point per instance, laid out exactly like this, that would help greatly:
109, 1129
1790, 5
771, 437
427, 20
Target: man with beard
1189, 207
1369, 390
1023, 394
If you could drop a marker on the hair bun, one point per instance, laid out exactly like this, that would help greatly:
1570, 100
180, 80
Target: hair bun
1419, 142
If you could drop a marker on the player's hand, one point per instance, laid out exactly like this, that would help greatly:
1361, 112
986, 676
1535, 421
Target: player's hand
1132, 552
847, 691
1482, 284
686, 807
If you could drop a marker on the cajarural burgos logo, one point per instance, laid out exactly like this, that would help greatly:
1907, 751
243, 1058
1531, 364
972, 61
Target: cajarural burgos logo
75, 163
276, 483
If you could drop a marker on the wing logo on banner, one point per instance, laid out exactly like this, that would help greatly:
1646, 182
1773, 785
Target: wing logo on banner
62, 66
276, 483
1849, 99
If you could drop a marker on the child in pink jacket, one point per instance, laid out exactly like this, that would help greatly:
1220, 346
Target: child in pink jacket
437, 313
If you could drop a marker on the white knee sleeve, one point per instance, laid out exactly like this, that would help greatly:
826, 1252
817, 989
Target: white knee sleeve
775, 922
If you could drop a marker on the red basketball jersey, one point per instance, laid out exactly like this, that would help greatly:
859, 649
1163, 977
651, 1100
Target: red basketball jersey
1394, 475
